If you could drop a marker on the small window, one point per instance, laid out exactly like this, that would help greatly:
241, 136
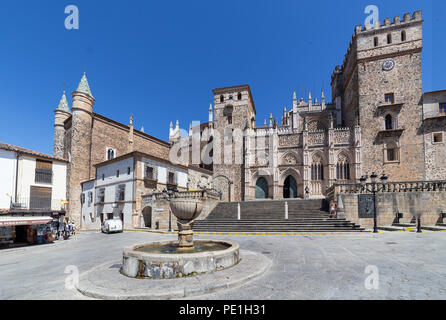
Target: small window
120, 192
82, 198
239, 97
117, 173
389, 122
443, 107
375, 41
389, 98
231, 98
389, 38
171, 177
103, 177
391, 152
222, 98
438, 137
90, 198
403, 35
110, 153
229, 119
101, 195
149, 173
391, 155
128, 170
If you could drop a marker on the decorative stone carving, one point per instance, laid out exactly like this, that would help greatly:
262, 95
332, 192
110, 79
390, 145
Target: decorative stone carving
316, 138
342, 136
315, 126
289, 159
289, 140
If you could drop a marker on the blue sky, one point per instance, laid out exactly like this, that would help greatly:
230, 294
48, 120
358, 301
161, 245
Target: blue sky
160, 59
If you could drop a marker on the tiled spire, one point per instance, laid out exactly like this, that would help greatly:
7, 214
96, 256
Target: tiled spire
63, 103
83, 86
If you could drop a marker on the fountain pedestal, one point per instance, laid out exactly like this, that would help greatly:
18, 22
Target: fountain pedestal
167, 260
185, 235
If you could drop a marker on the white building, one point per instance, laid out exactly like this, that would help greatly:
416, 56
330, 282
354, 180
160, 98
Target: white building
31, 182
116, 192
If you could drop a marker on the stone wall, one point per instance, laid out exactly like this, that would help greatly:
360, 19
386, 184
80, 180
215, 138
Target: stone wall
429, 203
435, 152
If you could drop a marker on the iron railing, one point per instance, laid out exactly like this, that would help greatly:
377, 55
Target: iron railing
43, 176
37, 203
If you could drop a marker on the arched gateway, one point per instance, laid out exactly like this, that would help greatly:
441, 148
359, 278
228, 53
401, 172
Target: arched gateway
290, 188
261, 188
147, 217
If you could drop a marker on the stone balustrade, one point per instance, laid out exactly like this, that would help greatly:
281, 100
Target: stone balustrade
196, 194
409, 186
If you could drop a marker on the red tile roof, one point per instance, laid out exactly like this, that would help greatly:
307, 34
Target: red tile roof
21, 150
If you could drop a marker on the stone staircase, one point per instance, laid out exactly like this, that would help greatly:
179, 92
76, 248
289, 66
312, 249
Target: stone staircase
269, 216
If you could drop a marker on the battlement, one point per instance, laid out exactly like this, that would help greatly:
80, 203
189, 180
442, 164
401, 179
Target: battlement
416, 16
371, 30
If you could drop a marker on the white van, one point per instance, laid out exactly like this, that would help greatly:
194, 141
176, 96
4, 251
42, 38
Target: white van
112, 225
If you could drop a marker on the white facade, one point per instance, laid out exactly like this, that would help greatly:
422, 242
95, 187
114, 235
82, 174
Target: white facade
162, 170
26, 174
109, 178
17, 168
119, 175
8, 160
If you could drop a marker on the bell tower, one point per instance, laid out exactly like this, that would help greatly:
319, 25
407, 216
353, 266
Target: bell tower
234, 113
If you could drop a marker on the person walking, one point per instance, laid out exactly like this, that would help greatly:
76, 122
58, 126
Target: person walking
332, 210
307, 193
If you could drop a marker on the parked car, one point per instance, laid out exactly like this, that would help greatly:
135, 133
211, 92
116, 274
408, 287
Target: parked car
112, 225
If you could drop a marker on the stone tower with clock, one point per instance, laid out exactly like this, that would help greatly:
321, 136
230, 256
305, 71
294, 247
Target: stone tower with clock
379, 88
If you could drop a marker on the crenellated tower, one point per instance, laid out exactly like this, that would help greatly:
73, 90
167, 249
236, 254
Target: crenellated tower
379, 88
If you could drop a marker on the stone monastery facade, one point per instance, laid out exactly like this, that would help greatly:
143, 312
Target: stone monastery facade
375, 122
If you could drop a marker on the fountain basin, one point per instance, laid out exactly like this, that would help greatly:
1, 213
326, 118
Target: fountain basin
166, 260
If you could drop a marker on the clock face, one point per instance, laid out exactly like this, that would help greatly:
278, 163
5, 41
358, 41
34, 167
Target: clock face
388, 65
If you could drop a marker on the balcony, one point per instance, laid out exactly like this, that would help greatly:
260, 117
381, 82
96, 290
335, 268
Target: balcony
43, 176
37, 204
434, 115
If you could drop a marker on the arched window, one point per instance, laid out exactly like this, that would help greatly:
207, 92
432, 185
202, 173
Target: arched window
403, 35
375, 41
391, 152
389, 122
343, 168
317, 169
222, 98
239, 96
389, 38
110, 154
227, 112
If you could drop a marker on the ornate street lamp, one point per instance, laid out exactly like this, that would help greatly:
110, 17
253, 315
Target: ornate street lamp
374, 190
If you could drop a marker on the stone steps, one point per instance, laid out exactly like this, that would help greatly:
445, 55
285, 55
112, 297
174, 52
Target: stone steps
269, 216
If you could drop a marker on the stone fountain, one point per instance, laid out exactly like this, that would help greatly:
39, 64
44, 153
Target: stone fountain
175, 259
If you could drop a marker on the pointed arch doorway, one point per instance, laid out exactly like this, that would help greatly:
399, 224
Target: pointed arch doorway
290, 188
262, 188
